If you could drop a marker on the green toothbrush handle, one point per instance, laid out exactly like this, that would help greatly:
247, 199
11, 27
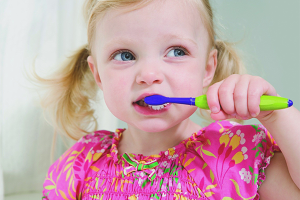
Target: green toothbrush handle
266, 102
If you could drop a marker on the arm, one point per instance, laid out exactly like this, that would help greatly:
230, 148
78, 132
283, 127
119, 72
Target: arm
284, 127
239, 97
278, 184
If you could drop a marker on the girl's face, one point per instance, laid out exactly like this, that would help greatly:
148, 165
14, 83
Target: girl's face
161, 48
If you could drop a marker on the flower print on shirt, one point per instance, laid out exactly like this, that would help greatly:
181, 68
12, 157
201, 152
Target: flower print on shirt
244, 150
142, 178
268, 160
165, 164
160, 172
238, 133
257, 163
84, 140
258, 137
173, 157
97, 151
220, 161
245, 175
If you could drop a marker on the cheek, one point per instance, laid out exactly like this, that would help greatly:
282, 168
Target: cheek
188, 81
114, 84
115, 91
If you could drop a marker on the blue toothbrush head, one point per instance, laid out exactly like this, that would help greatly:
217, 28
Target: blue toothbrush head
155, 100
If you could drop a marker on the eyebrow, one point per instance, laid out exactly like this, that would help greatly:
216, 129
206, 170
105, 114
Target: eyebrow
127, 41
173, 36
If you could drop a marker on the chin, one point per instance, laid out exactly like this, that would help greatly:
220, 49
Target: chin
153, 127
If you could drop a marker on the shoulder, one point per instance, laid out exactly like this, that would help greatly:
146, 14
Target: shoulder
233, 133
65, 176
236, 154
101, 137
251, 141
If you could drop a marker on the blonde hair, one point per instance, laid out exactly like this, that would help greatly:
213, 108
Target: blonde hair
72, 87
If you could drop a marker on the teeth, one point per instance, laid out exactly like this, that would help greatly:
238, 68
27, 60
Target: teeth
158, 107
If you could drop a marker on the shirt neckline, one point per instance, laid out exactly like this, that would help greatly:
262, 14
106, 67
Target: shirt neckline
179, 148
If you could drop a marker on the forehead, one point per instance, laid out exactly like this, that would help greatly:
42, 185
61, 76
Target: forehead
156, 19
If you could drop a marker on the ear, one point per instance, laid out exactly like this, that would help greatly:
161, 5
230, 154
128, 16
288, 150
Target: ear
94, 70
211, 66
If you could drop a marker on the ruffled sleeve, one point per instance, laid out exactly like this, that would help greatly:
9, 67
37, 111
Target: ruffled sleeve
66, 175
265, 147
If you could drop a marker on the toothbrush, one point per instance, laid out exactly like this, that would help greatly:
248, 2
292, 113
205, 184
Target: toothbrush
266, 102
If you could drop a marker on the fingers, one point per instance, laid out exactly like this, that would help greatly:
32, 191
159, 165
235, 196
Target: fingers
258, 87
238, 96
254, 92
220, 98
226, 95
212, 96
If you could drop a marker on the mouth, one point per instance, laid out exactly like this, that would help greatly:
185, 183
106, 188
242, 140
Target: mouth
142, 103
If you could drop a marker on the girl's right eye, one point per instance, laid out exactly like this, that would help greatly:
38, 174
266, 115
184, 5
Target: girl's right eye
123, 56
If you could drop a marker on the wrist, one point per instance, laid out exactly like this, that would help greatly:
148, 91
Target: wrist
271, 117
279, 117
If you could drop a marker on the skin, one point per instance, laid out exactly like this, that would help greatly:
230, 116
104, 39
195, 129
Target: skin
155, 69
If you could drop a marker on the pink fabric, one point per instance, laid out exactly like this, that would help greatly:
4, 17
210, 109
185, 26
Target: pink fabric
222, 161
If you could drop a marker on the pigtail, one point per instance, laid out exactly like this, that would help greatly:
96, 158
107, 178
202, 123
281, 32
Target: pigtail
229, 61
68, 95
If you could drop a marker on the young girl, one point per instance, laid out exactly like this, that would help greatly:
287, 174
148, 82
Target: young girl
138, 48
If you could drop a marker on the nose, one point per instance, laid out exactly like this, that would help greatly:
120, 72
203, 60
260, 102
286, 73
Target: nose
149, 74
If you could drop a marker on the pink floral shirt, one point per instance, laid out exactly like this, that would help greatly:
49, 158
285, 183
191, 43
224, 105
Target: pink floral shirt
222, 161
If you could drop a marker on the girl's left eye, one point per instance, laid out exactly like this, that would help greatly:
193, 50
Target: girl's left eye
177, 52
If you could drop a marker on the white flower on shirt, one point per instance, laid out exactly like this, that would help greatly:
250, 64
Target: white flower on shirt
97, 151
256, 163
142, 178
258, 137
228, 133
244, 150
160, 172
245, 175
84, 140
173, 157
242, 135
262, 156
165, 163
268, 159
238, 133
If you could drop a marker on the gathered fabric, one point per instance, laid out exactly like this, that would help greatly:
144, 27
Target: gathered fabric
222, 161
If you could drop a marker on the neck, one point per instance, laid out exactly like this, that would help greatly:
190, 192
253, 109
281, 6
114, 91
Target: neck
137, 141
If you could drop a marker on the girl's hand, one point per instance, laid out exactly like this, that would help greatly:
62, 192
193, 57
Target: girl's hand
238, 96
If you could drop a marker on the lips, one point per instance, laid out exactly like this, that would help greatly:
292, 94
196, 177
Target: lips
141, 97
140, 100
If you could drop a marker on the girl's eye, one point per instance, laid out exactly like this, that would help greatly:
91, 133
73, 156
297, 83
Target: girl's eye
177, 52
123, 56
